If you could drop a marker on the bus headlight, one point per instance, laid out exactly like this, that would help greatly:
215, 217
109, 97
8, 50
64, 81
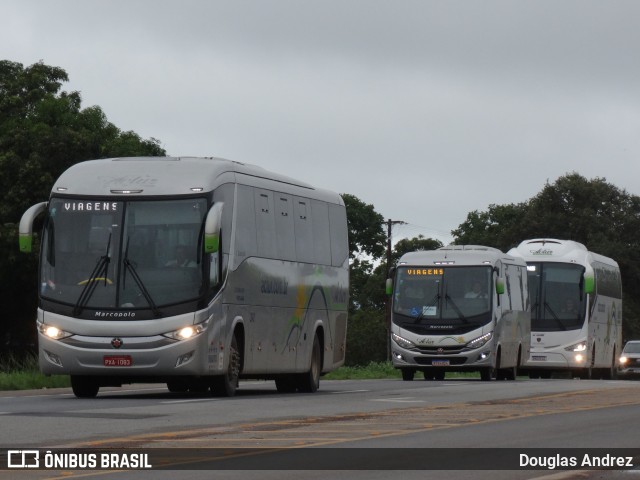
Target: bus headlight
577, 347
52, 332
185, 333
623, 360
403, 342
480, 341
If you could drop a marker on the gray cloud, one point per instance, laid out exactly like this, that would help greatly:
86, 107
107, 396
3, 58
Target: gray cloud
427, 109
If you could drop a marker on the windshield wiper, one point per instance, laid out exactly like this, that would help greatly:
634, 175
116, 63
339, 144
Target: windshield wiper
554, 316
433, 301
99, 273
456, 309
132, 269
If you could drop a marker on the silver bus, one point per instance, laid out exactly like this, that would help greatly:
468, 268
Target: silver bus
576, 311
459, 308
193, 272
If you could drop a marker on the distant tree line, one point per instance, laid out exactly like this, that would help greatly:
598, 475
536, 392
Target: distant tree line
44, 130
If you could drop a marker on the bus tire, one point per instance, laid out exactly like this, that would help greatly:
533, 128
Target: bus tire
226, 385
286, 384
487, 374
508, 373
178, 386
408, 373
84, 386
309, 382
611, 373
588, 372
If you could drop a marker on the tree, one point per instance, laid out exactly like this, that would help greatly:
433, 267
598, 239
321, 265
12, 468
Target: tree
593, 212
366, 232
43, 131
412, 245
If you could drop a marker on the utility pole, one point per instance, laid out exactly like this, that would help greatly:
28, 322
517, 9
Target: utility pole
390, 223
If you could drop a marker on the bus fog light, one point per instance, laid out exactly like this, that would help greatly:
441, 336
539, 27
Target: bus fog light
182, 359
398, 356
53, 358
579, 358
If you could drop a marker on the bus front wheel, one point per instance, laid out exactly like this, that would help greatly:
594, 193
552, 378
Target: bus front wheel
84, 387
407, 374
487, 374
227, 384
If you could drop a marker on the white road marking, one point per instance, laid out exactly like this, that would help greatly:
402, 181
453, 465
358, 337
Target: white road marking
398, 400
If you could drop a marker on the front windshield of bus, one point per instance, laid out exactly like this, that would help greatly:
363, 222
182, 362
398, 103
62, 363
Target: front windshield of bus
557, 302
122, 255
427, 298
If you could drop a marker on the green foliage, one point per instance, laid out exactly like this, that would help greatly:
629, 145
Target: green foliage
412, 245
366, 337
372, 370
593, 212
21, 373
366, 233
43, 131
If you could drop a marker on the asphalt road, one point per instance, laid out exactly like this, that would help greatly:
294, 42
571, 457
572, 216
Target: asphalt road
369, 426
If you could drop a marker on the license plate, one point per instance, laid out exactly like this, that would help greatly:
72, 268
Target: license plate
117, 361
539, 358
440, 363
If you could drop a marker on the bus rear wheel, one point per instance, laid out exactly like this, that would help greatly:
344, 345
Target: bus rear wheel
309, 382
84, 387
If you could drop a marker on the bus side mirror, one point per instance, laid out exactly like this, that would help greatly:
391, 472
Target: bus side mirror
25, 231
589, 283
212, 226
500, 285
389, 283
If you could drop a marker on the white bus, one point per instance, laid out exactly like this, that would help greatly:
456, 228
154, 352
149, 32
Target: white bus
459, 308
193, 272
576, 309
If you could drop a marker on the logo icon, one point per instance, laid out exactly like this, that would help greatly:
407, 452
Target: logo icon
116, 342
23, 459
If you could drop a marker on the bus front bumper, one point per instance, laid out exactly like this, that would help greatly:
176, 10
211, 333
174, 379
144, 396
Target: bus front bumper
127, 357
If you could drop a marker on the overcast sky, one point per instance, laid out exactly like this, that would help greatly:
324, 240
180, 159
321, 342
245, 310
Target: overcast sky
426, 109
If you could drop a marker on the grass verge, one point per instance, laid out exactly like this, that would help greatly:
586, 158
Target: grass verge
23, 374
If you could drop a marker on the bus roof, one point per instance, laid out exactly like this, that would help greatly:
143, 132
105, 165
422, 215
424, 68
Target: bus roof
458, 255
156, 176
555, 250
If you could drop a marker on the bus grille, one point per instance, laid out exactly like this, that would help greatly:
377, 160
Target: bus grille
431, 350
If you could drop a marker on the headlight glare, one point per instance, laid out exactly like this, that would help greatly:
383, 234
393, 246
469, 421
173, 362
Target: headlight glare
52, 332
187, 332
577, 347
